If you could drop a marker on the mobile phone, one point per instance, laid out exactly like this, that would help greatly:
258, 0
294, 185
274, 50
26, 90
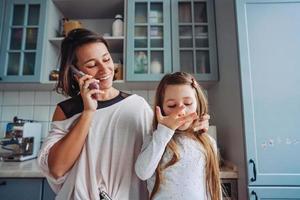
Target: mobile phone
79, 73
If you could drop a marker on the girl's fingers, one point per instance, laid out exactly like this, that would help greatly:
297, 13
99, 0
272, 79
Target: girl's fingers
189, 117
158, 114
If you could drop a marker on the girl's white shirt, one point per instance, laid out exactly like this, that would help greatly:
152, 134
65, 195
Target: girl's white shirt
108, 155
185, 180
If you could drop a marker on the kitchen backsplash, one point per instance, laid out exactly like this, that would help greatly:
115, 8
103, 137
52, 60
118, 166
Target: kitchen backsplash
39, 106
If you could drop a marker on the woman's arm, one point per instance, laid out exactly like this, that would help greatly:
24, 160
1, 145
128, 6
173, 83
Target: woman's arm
66, 151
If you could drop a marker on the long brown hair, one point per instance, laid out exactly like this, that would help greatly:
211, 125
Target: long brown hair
76, 38
212, 170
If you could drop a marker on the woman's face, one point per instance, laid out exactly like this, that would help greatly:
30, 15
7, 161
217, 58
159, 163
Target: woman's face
180, 96
95, 60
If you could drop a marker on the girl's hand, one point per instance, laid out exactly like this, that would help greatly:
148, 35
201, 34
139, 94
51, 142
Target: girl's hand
174, 120
89, 103
202, 123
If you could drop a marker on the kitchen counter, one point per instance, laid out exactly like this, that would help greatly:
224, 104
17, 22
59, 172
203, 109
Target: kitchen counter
30, 169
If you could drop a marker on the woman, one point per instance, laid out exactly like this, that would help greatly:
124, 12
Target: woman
95, 135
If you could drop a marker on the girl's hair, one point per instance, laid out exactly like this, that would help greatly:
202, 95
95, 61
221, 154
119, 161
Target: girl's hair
212, 172
76, 38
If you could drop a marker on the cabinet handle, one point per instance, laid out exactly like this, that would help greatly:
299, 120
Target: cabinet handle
254, 171
254, 193
2, 183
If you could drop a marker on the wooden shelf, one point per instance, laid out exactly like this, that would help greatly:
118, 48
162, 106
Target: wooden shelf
115, 43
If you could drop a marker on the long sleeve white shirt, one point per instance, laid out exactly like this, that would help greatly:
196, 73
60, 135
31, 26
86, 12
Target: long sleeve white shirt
185, 180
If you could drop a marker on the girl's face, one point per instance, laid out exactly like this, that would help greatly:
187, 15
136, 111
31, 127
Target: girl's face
95, 60
180, 96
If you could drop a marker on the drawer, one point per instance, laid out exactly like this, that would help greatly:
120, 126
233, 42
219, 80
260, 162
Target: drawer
21, 189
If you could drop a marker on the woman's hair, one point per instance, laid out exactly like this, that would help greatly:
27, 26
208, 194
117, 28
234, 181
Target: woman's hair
67, 85
213, 184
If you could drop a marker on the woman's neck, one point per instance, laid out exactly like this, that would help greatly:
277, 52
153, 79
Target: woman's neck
108, 94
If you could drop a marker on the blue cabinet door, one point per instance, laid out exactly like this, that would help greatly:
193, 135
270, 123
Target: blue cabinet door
269, 44
193, 38
148, 55
1, 18
276, 193
48, 194
21, 46
21, 189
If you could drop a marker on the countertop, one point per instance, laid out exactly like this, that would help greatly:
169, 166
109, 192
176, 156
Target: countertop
30, 169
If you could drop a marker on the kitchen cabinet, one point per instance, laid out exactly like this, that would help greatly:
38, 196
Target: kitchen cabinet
274, 193
48, 194
21, 189
193, 39
1, 18
269, 46
164, 36
22, 39
95, 16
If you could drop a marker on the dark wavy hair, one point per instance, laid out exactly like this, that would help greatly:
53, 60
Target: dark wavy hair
67, 85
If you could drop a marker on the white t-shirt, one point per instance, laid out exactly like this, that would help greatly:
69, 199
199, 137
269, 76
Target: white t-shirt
185, 180
108, 156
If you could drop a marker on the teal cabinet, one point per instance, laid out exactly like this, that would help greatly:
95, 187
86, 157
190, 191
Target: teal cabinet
269, 45
148, 40
164, 36
1, 18
274, 193
21, 189
22, 38
48, 194
194, 40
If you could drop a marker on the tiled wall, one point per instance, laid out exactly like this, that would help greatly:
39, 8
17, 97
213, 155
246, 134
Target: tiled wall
39, 106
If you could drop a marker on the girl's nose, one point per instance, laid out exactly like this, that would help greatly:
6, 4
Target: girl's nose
182, 111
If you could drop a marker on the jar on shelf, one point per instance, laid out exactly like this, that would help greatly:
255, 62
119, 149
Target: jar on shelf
117, 26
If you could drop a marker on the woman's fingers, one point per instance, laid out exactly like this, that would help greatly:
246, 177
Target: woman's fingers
202, 123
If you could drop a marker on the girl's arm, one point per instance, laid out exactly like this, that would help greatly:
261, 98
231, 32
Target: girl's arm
152, 151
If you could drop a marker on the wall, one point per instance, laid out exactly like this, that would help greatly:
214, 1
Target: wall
225, 97
38, 105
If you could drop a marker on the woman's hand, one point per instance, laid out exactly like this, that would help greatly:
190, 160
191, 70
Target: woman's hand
89, 102
174, 120
202, 123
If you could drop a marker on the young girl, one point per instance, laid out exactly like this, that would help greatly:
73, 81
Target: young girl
177, 161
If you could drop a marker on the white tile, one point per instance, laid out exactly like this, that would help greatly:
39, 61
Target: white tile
41, 113
2, 129
56, 98
42, 98
51, 112
142, 93
10, 98
151, 97
26, 98
25, 112
1, 98
8, 113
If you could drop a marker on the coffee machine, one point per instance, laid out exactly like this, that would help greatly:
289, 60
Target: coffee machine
22, 140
